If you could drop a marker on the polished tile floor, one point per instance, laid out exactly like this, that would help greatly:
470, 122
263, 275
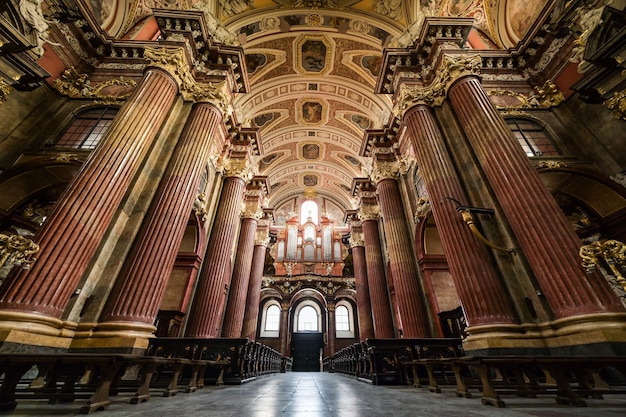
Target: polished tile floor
298, 394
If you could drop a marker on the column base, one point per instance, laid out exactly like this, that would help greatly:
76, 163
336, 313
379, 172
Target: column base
590, 335
121, 337
32, 333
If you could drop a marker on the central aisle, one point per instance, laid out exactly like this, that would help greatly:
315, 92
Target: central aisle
312, 394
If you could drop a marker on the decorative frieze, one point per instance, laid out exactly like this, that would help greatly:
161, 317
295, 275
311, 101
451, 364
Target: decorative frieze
77, 85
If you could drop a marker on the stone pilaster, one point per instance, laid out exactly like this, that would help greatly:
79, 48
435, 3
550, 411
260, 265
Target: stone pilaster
284, 329
332, 330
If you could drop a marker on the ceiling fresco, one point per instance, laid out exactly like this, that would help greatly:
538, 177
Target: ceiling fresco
313, 66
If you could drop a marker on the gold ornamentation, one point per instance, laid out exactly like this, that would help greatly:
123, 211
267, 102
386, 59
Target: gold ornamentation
369, 212
542, 97
467, 218
423, 209
617, 104
66, 157
551, 164
383, 170
17, 250
235, 167
199, 206
251, 211
5, 90
74, 84
612, 251
356, 239
452, 68
261, 238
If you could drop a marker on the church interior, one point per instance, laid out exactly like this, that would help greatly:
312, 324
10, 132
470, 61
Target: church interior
349, 186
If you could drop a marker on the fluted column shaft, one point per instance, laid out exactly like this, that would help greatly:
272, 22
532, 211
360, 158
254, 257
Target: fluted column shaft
236, 306
284, 329
137, 295
70, 237
208, 304
478, 285
405, 277
253, 297
379, 293
363, 304
546, 238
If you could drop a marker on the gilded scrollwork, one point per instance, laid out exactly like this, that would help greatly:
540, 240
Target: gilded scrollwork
422, 210
617, 104
75, 84
5, 90
452, 68
17, 250
235, 167
551, 164
612, 251
543, 97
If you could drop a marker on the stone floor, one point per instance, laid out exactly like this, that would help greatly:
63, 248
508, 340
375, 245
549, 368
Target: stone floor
298, 394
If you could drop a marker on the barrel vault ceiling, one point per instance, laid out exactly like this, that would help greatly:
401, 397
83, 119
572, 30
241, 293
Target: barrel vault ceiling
312, 67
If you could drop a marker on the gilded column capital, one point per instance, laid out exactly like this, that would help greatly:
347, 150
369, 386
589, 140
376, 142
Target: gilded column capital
369, 212
356, 239
251, 210
383, 170
175, 63
237, 167
452, 68
261, 238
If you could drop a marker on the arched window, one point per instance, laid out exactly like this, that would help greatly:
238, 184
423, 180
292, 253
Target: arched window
270, 322
87, 129
272, 318
533, 137
307, 319
309, 210
344, 320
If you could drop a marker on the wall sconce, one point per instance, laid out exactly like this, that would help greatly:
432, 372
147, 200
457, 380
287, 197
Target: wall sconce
466, 213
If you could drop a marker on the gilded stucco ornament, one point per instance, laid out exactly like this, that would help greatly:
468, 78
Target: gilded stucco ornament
235, 167
261, 238
75, 84
551, 164
5, 90
451, 69
356, 239
543, 97
369, 212
422, 210
251, 211
384, 170
617, 104
17, 250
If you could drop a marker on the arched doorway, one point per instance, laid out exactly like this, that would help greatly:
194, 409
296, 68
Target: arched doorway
307, 338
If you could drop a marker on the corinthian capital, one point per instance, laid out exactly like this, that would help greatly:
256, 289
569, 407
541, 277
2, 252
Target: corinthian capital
356, 239
383, 170
251, 210
369, 212
236, 167
172, 61
451, 69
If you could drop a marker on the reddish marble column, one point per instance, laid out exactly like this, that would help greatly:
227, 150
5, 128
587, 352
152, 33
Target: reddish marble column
405, 276
363, 305
70, 237
284, 329
332, 330
478, 285
544, 234
379, 294
236, 306
208, 305
253, 297
137, 294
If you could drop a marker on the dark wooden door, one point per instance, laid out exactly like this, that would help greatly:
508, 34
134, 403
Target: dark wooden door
305, 351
